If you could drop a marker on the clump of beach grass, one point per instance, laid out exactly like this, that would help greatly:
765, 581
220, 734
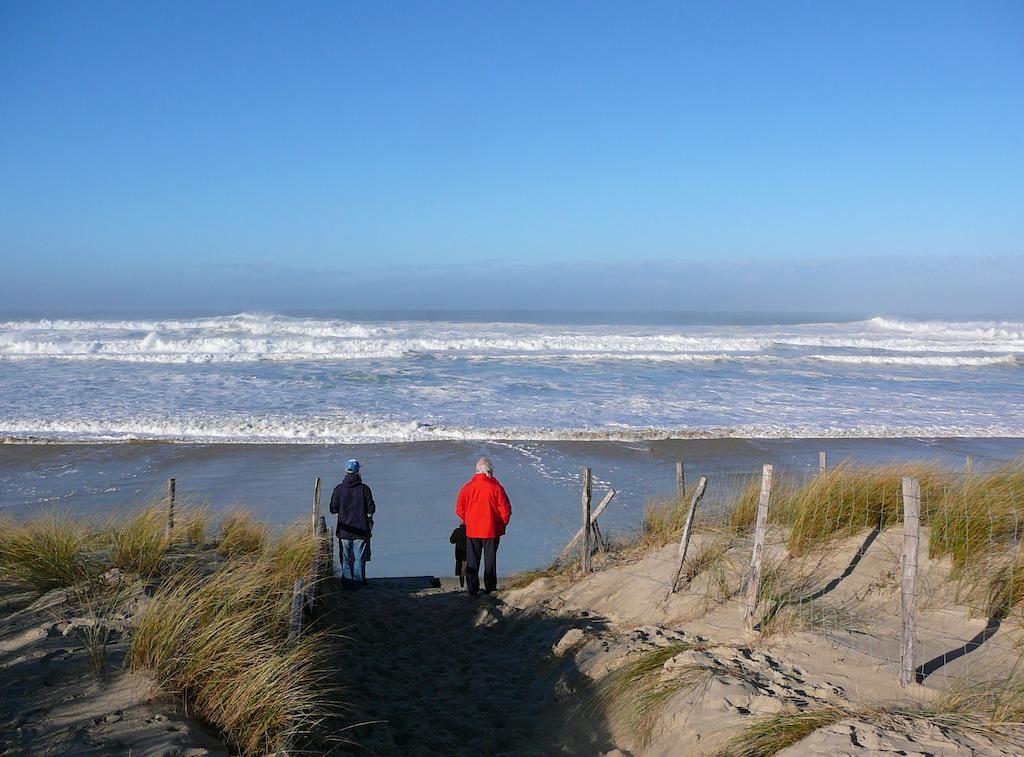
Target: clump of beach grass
194, 524
847, 499
220, 642
241, 534
770, 734
984, 514
98, 601
992, 710
785, 583
46, 552
711, 556
524, 578
742, 514
664, 520
139, 542
636, 693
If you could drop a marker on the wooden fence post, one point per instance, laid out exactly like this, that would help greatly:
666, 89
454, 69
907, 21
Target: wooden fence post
593, 519
316, 505
681, 480
684, 542
598, 538
171, 485
756, 557
970, 465
585, 555
821, 463
911, 541
298, 605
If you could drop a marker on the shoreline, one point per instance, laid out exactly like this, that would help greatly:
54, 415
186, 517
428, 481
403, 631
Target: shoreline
570, 436
416, 483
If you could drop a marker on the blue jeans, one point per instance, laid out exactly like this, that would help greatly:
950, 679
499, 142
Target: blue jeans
353, 560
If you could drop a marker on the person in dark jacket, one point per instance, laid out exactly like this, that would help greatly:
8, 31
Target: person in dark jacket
352, 500
458, 538
484, 507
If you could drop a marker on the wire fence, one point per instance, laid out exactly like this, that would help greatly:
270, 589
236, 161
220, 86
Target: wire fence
912, 568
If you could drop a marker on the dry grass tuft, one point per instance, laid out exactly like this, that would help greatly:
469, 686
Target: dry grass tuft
195, 523
740, 518
99, 602
982, 515
711, 557
241, 534
524, 578
636, 693
138, 543
220, 642
771, 734
47, 552
847, 499
992, 710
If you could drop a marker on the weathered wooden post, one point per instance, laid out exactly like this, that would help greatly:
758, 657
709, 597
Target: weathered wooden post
298, 604
593, 519
970, 465
756, 557
911, 541
585, 555
170, 507
316, 505
821, 463
681, 479
684, 542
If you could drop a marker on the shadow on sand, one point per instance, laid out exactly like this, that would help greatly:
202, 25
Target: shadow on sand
431, 671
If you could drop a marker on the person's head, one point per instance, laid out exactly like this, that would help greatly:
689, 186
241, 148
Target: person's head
483, 465
352, 466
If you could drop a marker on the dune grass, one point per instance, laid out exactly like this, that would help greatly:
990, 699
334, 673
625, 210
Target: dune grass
845, 500
742, 514
194, 525
984, 514
218, 640
664, 520
524, 578
220, 643
990, 709
771, 734
637, 693
241, 534
47, 552
99, 601
849, 499
139, 542
788, 601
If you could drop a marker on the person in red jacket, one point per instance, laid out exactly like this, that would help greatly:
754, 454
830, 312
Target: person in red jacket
484, 507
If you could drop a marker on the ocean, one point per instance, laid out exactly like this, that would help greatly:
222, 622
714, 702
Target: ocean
266, 378
248, 409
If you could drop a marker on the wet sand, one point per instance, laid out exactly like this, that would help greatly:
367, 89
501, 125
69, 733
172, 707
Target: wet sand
415, 484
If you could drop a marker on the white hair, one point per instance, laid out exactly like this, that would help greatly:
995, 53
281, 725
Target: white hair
483, 465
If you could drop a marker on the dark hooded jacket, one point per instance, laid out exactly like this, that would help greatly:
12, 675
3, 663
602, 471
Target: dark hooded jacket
352, 500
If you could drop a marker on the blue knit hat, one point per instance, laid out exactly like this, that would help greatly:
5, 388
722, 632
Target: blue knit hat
352, 466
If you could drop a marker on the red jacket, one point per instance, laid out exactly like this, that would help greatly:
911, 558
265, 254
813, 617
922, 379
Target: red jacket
484, 506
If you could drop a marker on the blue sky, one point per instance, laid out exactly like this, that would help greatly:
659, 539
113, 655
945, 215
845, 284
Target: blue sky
272, 155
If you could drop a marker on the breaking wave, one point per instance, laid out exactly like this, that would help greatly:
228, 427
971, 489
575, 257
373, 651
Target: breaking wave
264, 378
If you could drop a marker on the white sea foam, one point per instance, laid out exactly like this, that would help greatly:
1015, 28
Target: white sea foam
369, 431
247, 338
270, 378
923, 360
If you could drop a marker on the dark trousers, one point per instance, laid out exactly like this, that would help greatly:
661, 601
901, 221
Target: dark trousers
460, 567
489, 549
